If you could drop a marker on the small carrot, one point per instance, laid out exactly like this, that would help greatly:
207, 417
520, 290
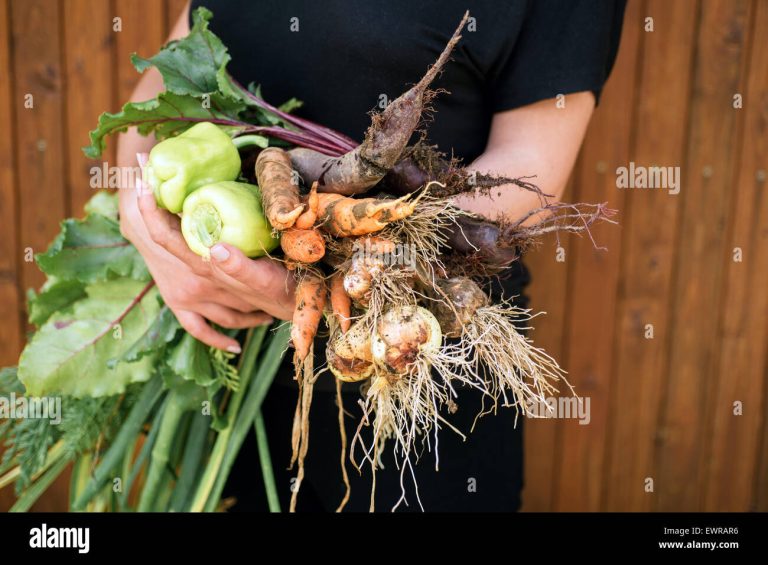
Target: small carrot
309, 215
279, 191
303, 246
310, 301
345, 217
341, 304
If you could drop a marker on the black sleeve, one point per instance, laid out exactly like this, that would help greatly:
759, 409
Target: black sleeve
563, 47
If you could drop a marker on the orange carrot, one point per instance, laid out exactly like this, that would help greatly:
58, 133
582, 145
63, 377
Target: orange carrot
303, 246
309, 216
279, 189
341, 304
345, 217
310, 301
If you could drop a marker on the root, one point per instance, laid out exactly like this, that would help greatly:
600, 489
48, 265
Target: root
422, 235
561, 217
343, 434
516, 372
408, 407
300, 436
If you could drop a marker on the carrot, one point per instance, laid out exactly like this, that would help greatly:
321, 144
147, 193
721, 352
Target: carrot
341, 304
310, 301
387, 137
303, 246
309, 216
345, 217
279, 191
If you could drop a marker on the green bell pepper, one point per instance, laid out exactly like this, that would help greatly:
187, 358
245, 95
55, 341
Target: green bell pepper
202, 155
228, 212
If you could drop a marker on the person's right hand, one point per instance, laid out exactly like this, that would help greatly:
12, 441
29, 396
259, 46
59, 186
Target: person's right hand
230, 290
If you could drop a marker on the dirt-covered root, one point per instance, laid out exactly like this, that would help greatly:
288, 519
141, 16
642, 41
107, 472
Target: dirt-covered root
480, 247
386, 139
421, 237
306, 377
423, 164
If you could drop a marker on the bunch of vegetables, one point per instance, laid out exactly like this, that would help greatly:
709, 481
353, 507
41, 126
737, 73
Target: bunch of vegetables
241, 171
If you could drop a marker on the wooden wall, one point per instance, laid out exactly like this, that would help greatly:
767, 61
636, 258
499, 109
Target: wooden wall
661, 408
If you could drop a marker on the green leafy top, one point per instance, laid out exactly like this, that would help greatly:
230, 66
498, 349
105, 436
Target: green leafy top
190, 65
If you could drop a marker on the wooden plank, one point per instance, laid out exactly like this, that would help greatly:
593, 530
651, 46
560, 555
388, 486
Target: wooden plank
89, 69
143, 32
648, 256
39, 133
592, 295
548, 290
10, 295
743, 332
706, 202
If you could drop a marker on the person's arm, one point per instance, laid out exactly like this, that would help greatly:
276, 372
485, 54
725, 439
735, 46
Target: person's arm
230, 290
539, 139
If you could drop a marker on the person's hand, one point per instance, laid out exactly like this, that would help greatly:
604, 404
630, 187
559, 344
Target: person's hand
231, 290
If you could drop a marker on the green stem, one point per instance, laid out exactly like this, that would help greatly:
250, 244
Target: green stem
247, 362
190, 463
161, 452
80, 474
123, 440
30, 496
270, 362
243, 141
146, 448
267, 471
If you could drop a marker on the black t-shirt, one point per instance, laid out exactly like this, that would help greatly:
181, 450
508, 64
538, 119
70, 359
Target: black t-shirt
343, 57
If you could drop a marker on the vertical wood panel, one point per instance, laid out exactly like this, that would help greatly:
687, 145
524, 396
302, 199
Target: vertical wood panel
685, 423
10, 328
89, 84
649, 223
548, 290
39, 134
743, 333
592, 287
10, 297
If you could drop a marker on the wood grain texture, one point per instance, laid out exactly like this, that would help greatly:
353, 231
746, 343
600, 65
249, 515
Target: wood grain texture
742, 334
10, 253
40, 135
592, 283
649, 225
707, 202
89, 85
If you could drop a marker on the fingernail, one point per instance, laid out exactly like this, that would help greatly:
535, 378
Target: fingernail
234, 349
142, 159
219, 253
268, 321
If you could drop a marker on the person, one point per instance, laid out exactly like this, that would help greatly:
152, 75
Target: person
515, 100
